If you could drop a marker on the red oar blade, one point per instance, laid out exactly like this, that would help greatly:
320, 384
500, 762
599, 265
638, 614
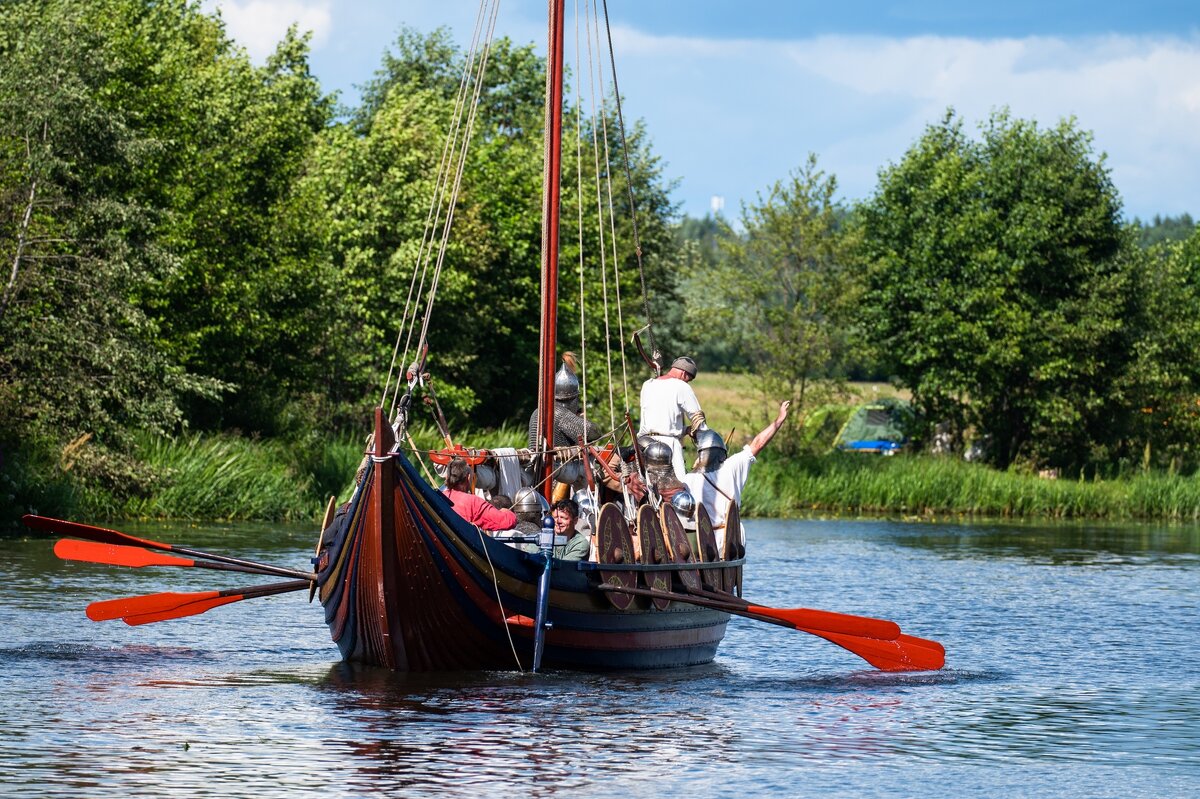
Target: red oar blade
906, 653
109, 609
115, 555
168, 604
182, 611
210, 560
828, 621
926, 643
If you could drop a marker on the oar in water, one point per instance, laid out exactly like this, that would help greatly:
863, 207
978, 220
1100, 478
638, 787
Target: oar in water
106, 536
904, 653
827, 620
161, 607
136, 557
894, 653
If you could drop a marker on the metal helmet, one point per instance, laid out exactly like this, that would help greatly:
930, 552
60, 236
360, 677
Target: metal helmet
684, 503
709, 439
529, 503
485, 477
657, 453
645, 441
566, 384
586, 504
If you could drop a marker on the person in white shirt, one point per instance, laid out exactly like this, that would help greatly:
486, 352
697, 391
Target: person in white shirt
668, 402
719, 477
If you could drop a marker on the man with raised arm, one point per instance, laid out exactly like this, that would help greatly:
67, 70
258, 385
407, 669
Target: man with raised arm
670, 410
719, 477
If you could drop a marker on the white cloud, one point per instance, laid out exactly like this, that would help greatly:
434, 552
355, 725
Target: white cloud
258, 25
860, 102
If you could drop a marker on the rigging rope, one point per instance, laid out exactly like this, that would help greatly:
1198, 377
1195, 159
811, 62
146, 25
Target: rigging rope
579, 209
431, 221
603, 117
637, 245
446, 193
431, 256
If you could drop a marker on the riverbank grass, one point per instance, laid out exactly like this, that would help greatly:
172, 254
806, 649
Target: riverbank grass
929, 486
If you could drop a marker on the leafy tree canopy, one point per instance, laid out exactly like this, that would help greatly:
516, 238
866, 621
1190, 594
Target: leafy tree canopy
1002, 288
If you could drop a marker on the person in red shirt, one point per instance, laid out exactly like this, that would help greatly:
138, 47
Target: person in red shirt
472, 507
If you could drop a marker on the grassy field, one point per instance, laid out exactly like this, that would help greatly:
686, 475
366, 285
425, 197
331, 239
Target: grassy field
736, 401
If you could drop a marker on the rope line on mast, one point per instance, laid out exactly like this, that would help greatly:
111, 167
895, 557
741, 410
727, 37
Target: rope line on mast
453, 199
637, 245
421, 264
583, 371
612, 216
446, 193
432, 253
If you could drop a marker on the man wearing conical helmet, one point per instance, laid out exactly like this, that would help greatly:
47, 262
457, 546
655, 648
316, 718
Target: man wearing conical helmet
569, 425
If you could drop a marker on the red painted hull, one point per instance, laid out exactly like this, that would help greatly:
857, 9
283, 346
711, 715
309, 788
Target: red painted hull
411, 586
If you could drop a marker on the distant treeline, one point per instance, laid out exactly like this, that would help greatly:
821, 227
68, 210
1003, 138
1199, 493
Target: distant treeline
191, 242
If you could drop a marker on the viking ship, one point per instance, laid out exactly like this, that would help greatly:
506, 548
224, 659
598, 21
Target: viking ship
408, 584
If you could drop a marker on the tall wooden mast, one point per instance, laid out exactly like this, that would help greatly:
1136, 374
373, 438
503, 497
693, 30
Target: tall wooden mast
550, 207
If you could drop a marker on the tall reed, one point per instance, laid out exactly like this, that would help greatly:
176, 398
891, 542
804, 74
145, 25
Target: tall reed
927, 486
223, 477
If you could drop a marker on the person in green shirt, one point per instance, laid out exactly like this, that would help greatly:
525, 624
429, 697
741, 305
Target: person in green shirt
565, 513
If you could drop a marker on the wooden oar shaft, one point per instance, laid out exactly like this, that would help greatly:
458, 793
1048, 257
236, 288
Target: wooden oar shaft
136, 557
845, 623
106, 536
715, 604
842, 623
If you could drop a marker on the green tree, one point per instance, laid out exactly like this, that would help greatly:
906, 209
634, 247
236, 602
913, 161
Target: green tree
703, 246
78, 357
157, 255
246, 302
1163, 229
787, 284
376, 177
1164, 385
1003, 290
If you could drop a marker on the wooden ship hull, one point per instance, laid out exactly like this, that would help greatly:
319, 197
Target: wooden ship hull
409, 585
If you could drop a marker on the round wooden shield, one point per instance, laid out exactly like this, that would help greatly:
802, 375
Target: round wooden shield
708, 548
615, 547
654, 551
733, 549
677, 542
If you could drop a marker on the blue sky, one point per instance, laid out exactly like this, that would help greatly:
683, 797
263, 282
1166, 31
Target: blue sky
736, 93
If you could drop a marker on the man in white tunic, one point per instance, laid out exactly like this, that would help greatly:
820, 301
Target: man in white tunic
667, 404
719, 478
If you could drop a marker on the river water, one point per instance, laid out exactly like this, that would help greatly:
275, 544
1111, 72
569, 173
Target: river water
1072, 657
